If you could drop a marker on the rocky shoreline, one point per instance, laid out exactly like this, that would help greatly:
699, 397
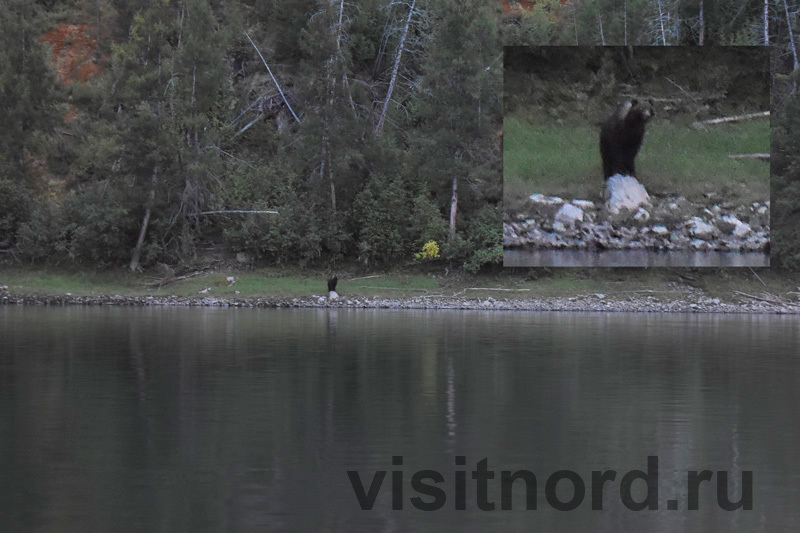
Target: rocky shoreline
636, 221
692, 301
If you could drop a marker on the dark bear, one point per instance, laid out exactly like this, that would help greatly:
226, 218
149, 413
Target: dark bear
621, 137
332, 284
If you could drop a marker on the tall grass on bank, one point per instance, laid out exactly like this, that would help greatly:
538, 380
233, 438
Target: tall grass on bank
564, 160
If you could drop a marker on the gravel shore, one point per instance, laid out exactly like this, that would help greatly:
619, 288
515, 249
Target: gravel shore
693, 301
667, 224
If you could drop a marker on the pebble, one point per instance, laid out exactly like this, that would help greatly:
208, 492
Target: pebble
670, 224
690, 300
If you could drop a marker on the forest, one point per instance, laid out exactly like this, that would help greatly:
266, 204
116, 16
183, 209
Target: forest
359, 131
307, 133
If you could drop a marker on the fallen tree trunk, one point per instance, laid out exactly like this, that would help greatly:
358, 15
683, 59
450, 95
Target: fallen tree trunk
273, 77
495, 289
774, 300
162, 282
236, 211
137, 251
761, 156
396, 68
737, 118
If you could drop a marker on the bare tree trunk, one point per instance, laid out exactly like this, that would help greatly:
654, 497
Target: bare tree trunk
382, 48
453, 211
575, 20
701, 41
97, 21
395, 69
661, 22
791, 43
273, 78
336, 29
341, 16
766, 22
625, 15
333, 185
325, 163
194, 83
137, 251
21, 154
225, 211
600, 22
333, 192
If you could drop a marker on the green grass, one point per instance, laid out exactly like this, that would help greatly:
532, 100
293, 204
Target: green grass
60, 282
660, 283
279, 283
565, 160
550, 160
527, 284
577, 282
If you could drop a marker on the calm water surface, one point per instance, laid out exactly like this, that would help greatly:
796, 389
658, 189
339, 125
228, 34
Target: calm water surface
533, 257
116, 419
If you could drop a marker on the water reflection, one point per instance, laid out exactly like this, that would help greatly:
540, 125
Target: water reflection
208, 420
532, 257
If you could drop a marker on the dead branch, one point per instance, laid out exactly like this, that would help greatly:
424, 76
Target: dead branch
247, 127
396, 68
390, 288
757, 276
235, 211
220, 150
774, 300
273, 77
754, 297
161, 283
737, 118
761, 156
494, 289
688, 96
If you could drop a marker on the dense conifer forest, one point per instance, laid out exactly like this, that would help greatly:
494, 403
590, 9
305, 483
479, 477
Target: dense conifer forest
306, 132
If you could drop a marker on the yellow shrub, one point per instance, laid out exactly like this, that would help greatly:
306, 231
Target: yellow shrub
429, 251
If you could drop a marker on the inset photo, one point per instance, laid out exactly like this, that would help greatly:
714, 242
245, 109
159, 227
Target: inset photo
636, 156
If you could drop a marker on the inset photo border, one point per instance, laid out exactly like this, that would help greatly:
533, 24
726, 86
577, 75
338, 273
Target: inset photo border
636, 156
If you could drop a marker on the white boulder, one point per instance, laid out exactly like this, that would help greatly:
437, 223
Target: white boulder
625, 192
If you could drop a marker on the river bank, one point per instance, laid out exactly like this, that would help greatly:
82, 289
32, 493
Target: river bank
598, 302
684, 233
587, 290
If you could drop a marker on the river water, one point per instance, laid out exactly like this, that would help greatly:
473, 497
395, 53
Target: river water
177, 419
535, 257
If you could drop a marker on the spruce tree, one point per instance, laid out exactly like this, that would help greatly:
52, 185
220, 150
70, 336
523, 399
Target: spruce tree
170, 93
30, 108
459, 109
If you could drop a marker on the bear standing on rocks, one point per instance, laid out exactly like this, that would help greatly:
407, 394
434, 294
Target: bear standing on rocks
332, 294
621, 137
